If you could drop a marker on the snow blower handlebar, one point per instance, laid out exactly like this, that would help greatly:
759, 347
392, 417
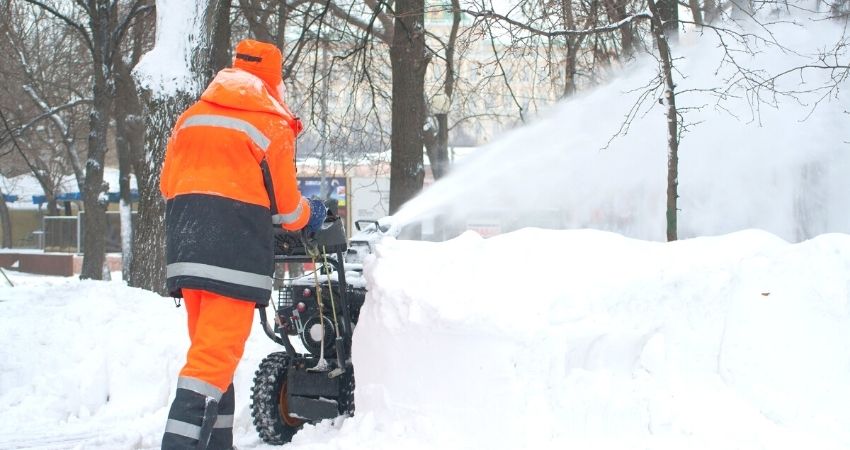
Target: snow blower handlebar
315, 247
331, 237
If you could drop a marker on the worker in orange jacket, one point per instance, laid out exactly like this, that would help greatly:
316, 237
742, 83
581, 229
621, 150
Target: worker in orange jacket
229, 175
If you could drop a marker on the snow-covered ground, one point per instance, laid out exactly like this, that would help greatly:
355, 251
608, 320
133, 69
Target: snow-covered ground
532, 339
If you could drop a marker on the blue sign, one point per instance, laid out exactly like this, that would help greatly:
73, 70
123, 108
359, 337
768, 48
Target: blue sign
114, 197
311, 187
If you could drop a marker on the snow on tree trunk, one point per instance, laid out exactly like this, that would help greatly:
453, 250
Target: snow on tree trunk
169, 78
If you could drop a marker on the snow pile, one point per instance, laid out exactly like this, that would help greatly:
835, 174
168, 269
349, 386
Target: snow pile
532, 339
586, 339
93, 365
777, 163
83, 359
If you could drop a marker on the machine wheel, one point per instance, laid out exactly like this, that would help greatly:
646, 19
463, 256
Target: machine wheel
268, 401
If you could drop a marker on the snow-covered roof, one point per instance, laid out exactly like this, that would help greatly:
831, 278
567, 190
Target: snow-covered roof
25, 189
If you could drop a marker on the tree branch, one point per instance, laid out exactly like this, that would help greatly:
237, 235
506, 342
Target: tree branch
48, 113
80, 28
596, 30
118, 33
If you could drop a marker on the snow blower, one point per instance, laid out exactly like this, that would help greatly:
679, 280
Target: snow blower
318, 311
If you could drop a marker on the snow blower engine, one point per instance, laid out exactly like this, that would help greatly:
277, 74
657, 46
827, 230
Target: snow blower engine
314, 317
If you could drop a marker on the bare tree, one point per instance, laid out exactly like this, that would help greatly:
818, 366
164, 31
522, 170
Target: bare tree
660, 32
41, 94
101, 30
436, 138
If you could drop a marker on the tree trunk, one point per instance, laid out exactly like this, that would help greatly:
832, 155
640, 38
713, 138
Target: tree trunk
616, 11
658, 32
94, 194
282, 17
741, 9
52, 209
668, 12
220, 46
95, 201
436, 141
41, 173
572, 49
5, 222
147, 268
696, 11
408, 62
129, 143
710, 11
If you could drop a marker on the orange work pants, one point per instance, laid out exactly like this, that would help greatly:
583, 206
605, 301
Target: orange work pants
218, 329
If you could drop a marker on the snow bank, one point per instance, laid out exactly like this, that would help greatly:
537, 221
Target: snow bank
551, 339
85, 358
93, 365
532, 339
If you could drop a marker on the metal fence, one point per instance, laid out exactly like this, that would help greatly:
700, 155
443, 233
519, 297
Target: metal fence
65, 233
60, 233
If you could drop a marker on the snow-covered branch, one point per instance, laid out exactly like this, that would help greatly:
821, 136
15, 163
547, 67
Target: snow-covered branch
67, 135
52, 113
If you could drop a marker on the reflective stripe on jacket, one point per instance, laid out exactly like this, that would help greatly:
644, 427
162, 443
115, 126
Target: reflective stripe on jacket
219, 213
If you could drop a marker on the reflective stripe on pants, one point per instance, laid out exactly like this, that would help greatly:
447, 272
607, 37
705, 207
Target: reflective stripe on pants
192, 416
222, 433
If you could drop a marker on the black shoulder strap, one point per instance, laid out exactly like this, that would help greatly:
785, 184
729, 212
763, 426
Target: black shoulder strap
267, 181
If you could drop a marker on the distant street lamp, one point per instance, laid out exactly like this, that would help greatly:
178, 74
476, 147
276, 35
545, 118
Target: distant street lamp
440, 106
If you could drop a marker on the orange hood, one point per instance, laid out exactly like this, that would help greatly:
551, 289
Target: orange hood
239, 89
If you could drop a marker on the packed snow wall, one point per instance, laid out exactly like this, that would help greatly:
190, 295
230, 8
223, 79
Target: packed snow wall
545, 339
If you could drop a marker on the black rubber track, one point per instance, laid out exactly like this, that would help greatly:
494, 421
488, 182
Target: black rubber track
269, 381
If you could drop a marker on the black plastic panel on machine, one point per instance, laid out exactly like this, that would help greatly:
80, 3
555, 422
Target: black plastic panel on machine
313, 408
312, 395
312, 384
329, 239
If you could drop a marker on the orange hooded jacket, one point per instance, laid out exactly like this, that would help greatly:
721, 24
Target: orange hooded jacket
229, 173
